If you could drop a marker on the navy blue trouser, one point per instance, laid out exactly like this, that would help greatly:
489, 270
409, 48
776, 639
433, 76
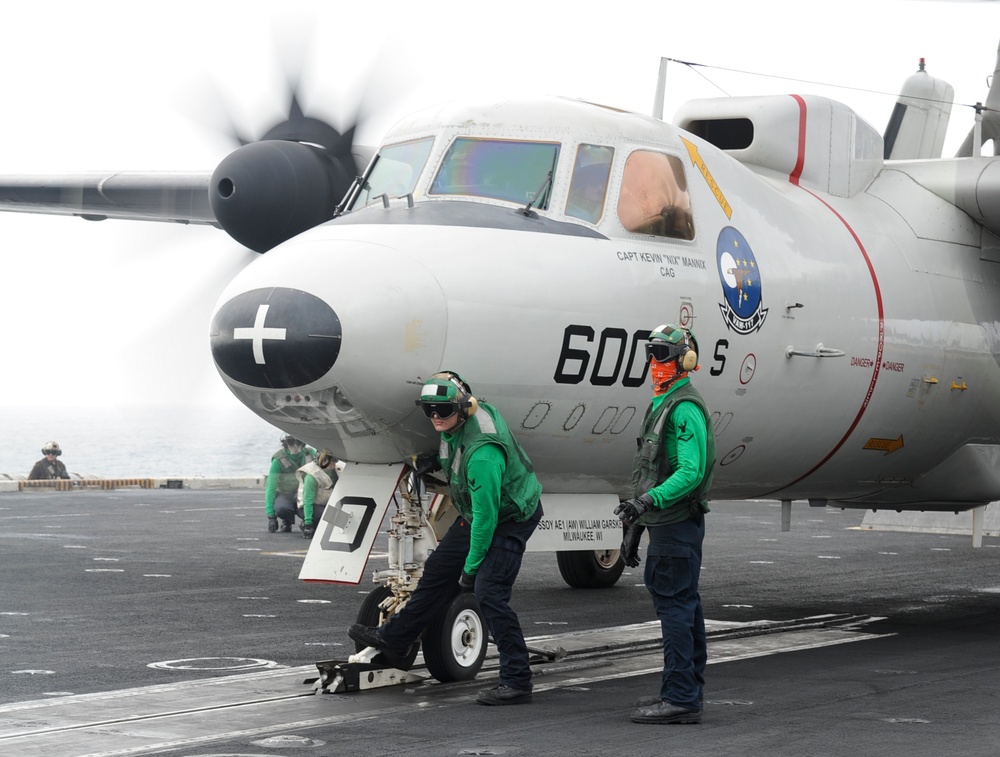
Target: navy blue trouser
438, 586
317, 513
285, 506
673, 562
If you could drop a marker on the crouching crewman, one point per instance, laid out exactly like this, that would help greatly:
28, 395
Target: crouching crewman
494, 488
316, 481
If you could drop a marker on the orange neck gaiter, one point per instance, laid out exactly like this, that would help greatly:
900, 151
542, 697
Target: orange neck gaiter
663, 375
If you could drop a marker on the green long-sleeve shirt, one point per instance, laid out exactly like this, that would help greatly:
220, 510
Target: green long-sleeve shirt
279, 473
489, 477
485, 468
685, 440
308, 497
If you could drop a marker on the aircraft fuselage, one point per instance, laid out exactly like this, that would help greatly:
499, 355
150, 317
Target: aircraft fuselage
848, 339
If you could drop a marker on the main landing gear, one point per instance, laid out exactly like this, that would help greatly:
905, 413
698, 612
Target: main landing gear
590, 569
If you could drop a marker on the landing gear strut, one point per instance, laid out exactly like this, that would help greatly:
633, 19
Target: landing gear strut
455, 643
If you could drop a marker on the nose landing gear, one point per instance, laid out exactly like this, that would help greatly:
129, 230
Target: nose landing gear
454, 644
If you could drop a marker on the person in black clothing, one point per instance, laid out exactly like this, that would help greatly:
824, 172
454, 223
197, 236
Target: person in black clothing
50, 466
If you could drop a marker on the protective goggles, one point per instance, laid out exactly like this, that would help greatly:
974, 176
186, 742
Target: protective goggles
661, 351
442, 410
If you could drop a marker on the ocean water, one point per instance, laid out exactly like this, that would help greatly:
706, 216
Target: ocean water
146, 442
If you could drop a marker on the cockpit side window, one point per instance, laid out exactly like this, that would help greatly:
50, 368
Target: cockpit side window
498, 169
589, 185
654, 197
394, 172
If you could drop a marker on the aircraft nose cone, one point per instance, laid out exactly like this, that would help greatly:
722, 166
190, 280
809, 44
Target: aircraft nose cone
275, 338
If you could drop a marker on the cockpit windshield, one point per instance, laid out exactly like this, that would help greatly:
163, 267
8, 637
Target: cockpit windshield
590, 182
498, 169
394, 172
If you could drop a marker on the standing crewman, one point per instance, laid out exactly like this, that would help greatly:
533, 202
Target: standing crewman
671, 476
316, 481
282, 488
496, 493
50, 466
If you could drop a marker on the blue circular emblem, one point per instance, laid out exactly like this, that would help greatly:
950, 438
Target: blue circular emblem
743, 309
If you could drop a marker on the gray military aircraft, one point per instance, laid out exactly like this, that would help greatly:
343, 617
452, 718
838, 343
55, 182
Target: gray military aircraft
843, 286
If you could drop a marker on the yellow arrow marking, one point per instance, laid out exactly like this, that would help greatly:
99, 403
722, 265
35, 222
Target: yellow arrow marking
885, 445
696, 159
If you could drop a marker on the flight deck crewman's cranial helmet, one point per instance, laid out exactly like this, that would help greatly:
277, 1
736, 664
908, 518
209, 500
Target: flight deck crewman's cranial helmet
326, 458
669, 342
287, 440
446, 393
52, 448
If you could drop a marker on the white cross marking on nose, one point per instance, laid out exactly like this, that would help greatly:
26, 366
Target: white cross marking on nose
258, 334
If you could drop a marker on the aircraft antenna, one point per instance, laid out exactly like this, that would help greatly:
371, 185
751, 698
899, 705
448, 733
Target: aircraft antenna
661, 86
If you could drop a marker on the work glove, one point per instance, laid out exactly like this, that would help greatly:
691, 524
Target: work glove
308, 530
630, 544
272, 525
426, 462
467, 581
631, 510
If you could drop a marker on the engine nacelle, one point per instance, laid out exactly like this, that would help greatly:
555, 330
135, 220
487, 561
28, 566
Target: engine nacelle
267, 192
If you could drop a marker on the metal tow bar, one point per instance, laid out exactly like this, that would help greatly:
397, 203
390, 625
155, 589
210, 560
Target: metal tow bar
361, 671
341, 677
366, 670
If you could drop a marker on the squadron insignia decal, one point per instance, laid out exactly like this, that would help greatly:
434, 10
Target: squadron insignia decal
743, 310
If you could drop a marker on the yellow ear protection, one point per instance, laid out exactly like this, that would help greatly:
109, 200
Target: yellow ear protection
689, 358
669, 342
465, 399
448, 386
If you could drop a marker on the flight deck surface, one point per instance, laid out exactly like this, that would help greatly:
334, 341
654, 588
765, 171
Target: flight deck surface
170, 622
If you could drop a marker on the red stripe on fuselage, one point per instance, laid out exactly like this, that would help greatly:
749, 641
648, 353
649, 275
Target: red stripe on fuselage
800, 155
793, 178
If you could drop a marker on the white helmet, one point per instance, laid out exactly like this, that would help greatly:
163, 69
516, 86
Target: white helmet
52, 448
287, 440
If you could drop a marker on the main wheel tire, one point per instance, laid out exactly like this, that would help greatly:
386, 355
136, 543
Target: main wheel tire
369, 615
455, 642
591, 569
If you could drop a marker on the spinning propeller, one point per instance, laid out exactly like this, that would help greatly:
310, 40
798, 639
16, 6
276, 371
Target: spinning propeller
291, 179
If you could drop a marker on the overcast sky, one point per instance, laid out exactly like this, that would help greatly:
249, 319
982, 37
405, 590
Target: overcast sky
117, 312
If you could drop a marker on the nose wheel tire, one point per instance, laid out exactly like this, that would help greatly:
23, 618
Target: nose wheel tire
455, 642
369, 615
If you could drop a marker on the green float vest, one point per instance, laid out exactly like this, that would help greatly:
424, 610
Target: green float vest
519, 490
652, 467
288, 482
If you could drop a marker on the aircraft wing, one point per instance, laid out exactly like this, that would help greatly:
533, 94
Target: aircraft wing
166, 196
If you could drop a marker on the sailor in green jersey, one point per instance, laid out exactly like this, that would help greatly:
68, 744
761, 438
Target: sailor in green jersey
671, 477
495, 490
282, 485
316, 481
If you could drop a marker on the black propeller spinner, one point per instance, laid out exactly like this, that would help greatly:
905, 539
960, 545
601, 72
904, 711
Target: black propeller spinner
290, 180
